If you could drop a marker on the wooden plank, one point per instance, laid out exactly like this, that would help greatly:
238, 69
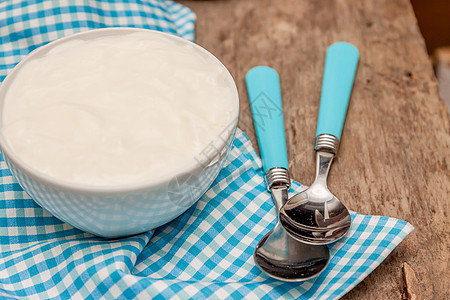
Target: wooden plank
395, 144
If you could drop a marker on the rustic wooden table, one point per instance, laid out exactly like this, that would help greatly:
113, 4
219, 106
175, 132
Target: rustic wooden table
395, 145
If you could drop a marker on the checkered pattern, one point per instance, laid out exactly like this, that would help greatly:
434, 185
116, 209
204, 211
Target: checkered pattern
204, 253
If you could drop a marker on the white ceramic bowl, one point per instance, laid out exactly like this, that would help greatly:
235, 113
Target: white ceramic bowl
125, 210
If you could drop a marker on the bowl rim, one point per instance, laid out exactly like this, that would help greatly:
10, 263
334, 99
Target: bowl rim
188, 168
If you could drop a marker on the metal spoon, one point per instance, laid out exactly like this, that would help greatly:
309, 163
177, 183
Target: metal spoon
283, 257
278, 254
316, 216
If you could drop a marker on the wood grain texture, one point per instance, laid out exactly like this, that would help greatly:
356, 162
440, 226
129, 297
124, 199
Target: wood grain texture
395, 144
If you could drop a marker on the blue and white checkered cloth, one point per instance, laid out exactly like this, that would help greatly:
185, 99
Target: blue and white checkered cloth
204, 253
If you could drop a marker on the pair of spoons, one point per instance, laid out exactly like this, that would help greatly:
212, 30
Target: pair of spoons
295, 249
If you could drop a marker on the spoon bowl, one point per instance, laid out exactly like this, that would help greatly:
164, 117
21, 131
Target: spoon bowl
315, 216
282, 257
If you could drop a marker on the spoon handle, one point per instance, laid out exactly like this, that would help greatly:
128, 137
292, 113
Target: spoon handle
340, 67
263, 86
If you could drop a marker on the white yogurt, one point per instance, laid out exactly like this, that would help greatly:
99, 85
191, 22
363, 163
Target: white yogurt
117, 110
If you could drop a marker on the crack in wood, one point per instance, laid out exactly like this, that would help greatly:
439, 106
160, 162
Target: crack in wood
411, 288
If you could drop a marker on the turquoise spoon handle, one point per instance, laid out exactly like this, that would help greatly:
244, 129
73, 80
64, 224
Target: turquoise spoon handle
263, 86
340, 67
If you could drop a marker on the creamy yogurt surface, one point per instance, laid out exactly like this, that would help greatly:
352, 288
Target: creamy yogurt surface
117, 110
